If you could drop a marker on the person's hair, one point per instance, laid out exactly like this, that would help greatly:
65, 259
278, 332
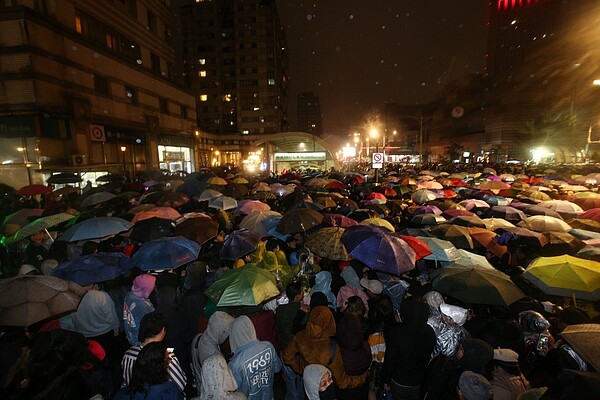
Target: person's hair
88, 248
293, 289
149, 368
271, 244
356, 307
151, 325
381, 314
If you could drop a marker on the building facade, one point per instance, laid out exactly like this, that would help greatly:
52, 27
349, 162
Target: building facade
310, 118
235, 61
85, 91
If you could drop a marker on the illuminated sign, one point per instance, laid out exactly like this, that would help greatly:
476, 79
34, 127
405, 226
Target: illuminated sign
303, 156
509, 4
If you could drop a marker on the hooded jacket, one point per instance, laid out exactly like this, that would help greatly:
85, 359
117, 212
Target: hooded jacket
254, 363
312, 380
323, 284
137, 305
314, 344
216, 333
218, 382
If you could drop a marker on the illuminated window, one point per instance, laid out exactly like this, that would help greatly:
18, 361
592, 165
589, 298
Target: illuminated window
110, 41
203, 97
271, 81
202, 73
202, 61
227, 97
78, 24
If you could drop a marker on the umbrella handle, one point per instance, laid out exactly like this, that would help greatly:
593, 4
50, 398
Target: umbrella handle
49, 235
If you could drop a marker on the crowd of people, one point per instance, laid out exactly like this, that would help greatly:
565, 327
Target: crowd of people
337, 330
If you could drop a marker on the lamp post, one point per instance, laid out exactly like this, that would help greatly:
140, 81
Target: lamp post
421, 120
374, 133
123, 149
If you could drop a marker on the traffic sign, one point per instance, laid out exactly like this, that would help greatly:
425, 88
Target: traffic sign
97, 133
377, 160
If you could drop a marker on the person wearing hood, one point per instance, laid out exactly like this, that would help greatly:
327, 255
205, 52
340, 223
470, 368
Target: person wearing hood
408, 350
315, 345
254, 363
323, 284
318, 383
208, 343
218, 382
356, 353
136, 305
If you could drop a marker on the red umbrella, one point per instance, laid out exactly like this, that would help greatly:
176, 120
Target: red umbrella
389, 192
31, 190
457, 213
338, 220
420, 247
376, 196
586, 203
593, 213
334, 184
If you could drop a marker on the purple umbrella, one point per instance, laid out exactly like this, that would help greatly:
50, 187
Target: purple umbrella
428, 209
379, 249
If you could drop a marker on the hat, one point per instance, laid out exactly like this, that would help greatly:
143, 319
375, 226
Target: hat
143, 285
506, 355
475, 386
458, 314
372, 285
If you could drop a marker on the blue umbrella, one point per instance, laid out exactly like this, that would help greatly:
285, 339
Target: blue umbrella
239, 243
95, 228
94, 268
165, 253
379, 249
191, 187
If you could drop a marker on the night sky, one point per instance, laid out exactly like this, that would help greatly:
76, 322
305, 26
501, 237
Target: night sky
357, 55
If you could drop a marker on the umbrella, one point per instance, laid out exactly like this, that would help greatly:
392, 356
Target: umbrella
306, 204
26, 299
508, 213
544, 223
165, 253
41, 224
223, 203
476, 285
587, 224
566, 209
468, 221
469, 259
95, 228
240, 180
362, 214
340, 220
585, 340
22, 216
378, 222
586, 203
239, 243
487, 239
326, 243
474, 204
209, 194
496, 223
538, 210
593, 213
441, 250
199, 229
235, 190
584, 234
245, 286
299, 220
247, 207
64, 190
93, 268
455, 213
565, 276
173, 199
428, 209
64, 178
326, 202
217, 181
559, 243
191, 187
111, 178
152, 228
420, 247
379, 249
264, 196
458, 235
534, 195
427, 219
422, 196
523, 235
254, 221
493, 185
97, 198
31, 190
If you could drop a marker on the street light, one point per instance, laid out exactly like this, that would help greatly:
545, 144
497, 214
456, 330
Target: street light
374, 133
123, 149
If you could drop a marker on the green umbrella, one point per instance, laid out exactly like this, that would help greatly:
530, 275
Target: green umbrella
41, 224
245, 286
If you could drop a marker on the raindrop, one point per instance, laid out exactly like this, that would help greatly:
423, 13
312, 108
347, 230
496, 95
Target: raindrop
96, 55
381, 61
309, 17
351, 16
382, 26
338, 49
74, 48
423, 83
407, 14
376, 82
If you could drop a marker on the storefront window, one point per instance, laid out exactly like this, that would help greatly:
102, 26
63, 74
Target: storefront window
174, 158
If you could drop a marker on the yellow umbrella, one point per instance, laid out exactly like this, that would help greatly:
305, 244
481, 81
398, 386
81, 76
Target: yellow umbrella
566, 276
378, 222
218, 181
240, 180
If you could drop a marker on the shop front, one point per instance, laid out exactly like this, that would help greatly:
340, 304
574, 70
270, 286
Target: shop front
175, 153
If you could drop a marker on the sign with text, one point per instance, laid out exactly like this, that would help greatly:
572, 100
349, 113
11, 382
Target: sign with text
377, 160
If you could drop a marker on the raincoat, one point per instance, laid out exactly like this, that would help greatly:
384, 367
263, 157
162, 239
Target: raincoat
218, 382
323, 284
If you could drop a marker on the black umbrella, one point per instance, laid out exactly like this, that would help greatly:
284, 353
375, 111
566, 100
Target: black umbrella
111, 178
152, 228
362, 214
239, 243
64, 178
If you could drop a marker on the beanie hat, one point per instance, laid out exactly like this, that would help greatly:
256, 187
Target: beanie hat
143, 285
475, 386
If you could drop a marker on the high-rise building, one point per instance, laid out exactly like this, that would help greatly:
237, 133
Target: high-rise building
310, 118
234, 58
88, 86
